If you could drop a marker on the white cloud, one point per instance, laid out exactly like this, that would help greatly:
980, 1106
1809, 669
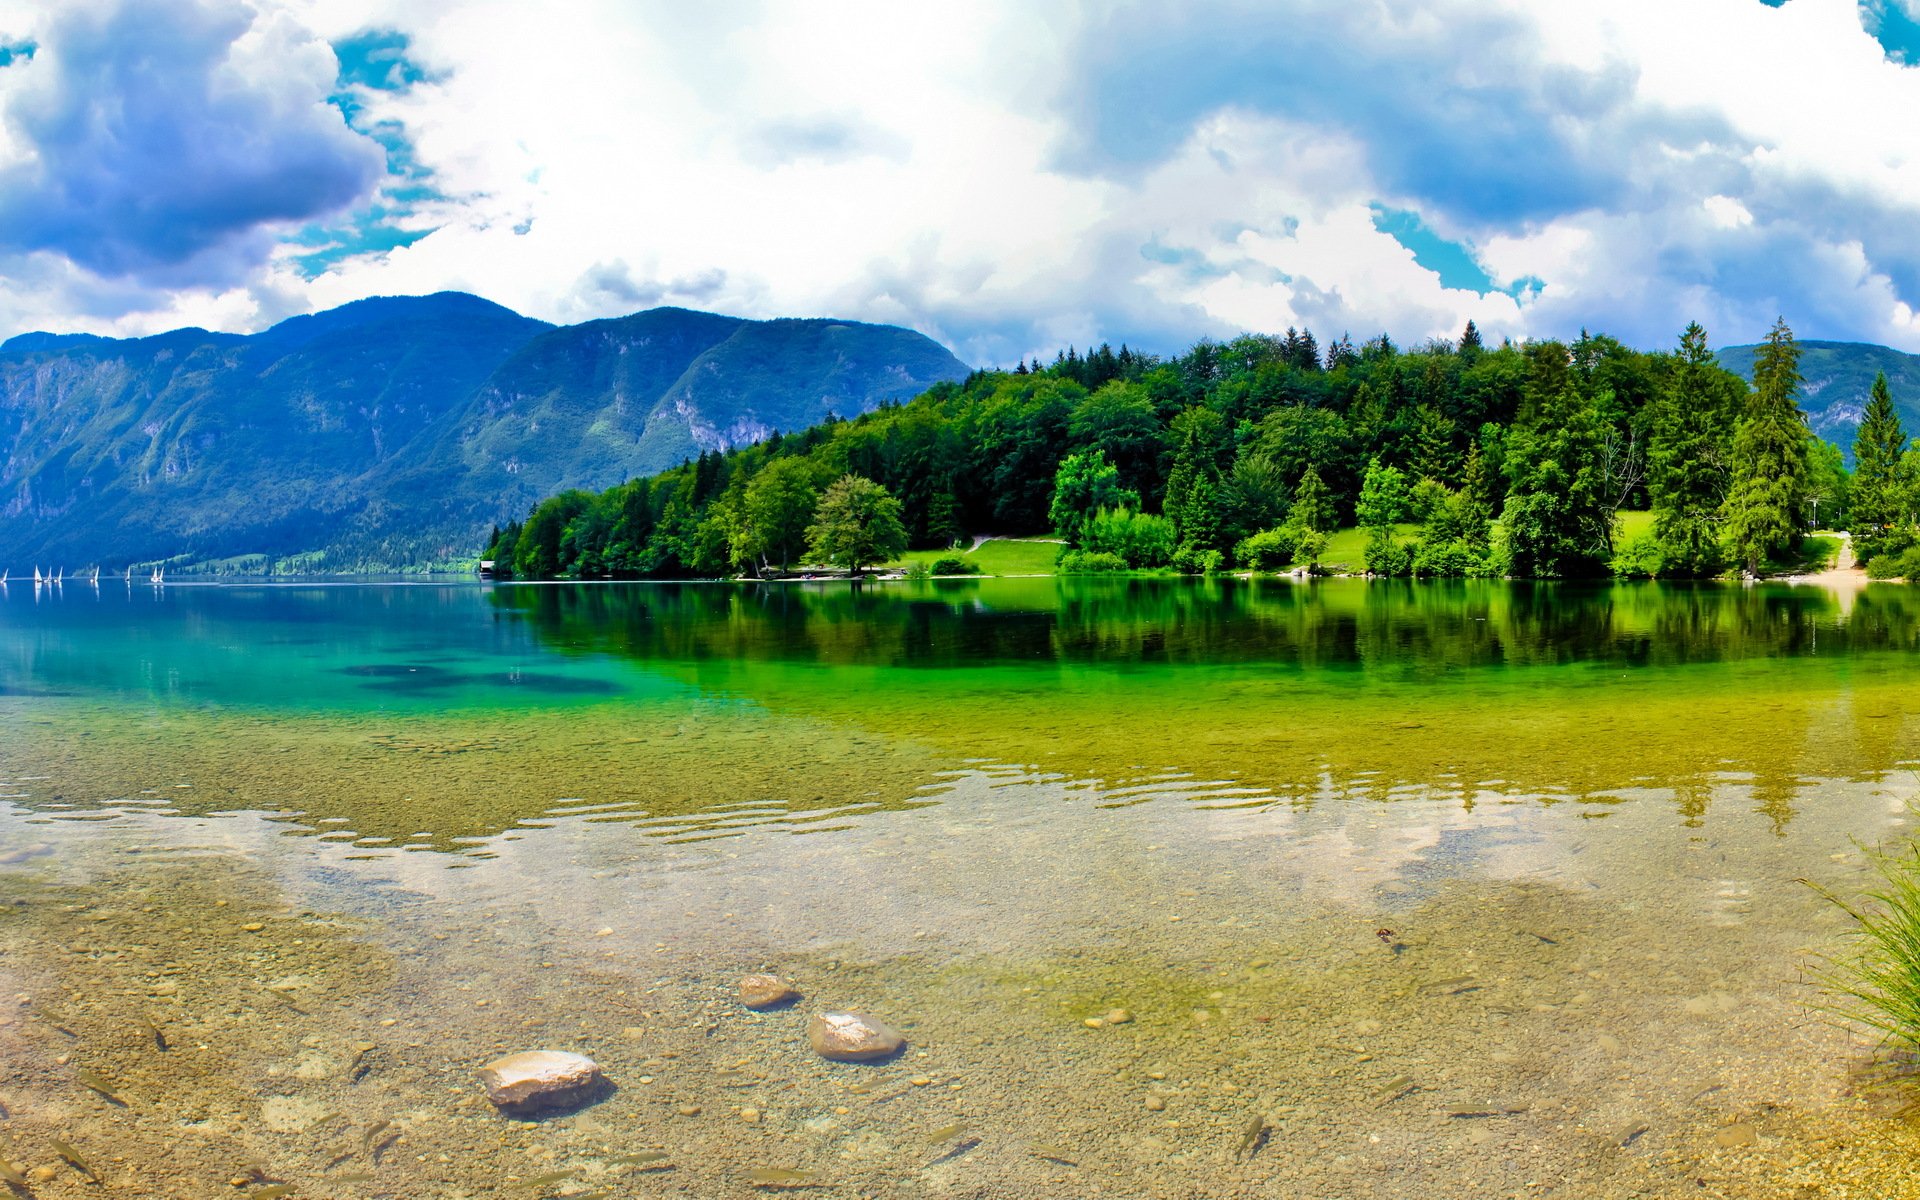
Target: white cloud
918, 164
1727, 212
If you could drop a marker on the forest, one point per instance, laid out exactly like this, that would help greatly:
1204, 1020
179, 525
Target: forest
1456, 458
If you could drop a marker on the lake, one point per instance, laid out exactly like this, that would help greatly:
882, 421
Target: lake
1175, 887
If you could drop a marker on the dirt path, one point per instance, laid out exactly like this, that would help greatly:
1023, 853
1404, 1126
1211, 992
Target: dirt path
1845, 571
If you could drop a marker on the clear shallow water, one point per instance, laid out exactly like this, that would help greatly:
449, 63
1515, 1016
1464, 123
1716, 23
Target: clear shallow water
469, 820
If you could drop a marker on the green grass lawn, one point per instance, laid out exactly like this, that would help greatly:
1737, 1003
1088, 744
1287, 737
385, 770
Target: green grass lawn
1347, 550
1633, 524
1817, 553
1001, 556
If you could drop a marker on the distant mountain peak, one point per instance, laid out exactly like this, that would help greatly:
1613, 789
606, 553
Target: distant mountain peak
394, 429
1837, 378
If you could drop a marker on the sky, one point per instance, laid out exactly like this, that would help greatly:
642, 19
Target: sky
1008, 178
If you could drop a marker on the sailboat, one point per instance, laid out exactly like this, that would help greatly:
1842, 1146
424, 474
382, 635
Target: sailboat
159, 575
37, 576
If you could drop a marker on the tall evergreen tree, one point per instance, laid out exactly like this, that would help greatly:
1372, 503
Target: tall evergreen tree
1312, 503
1202, 447
1769, 457
1477, 487
1470, 344
1879, 496
1557, 518
1687, 480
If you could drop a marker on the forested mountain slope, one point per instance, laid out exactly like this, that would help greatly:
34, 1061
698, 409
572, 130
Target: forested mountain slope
1838, 376
390, 432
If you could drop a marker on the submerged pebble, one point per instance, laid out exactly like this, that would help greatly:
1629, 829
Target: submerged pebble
852, 1037
539, 1078
765, 991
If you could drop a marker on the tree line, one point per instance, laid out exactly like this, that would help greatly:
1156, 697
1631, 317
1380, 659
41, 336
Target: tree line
1457, 458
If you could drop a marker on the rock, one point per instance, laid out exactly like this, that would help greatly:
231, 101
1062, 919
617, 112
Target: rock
852, 1037
539, 1079
1156, 1104
1119, 1016
765, 991
1734, 1136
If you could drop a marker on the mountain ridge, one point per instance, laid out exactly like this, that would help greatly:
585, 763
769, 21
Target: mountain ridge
391, 431
1838, 376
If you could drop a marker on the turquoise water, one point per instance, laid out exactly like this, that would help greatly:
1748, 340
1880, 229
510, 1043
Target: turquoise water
1437, 889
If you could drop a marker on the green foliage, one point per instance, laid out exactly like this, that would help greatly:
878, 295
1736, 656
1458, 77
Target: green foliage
1895, 564
1882, 496
1877, 983
1195, 561
1311, 546
1091, 562
1428, 498
1255, 495
1454, 559
1558, 516
1224, 443
1763, 509
1689, 464
1829, 489
1120, 422
856, 525
538, 552
1387, 554
1085, 484
1139, 539
1383, 497
775, 510
1642, 556
1201, 446
1269, 550
1312, 503
953, 564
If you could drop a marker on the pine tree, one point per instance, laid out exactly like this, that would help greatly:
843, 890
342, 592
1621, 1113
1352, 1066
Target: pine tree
1312, 503
1769, 457
1686, 453
1477, 487
1433, 454
1470, 344
1878, 500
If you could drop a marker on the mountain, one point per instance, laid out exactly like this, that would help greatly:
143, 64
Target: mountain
1838, 376
393, 431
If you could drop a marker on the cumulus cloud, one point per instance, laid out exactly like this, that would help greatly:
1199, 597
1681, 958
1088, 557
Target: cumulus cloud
169, 143
1146, 170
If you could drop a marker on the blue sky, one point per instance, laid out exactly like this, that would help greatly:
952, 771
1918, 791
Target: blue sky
1007, 177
